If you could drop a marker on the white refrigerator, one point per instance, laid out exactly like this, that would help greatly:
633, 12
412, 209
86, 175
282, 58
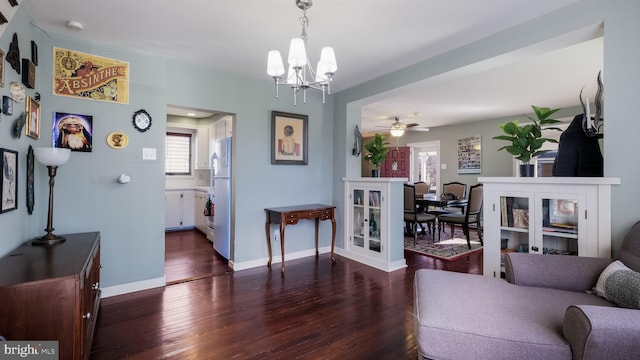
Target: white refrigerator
220, 190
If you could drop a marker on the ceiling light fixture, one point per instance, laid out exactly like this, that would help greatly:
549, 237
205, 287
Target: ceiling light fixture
299, 68
397, 129
75, 25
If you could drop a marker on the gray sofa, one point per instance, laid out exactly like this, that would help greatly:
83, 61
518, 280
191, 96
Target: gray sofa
545, 309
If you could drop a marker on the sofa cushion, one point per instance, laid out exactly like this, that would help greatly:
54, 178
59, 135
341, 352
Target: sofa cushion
620, 285
462, 316
629, 252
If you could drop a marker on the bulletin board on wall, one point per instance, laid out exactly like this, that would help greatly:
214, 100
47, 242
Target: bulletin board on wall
470, 155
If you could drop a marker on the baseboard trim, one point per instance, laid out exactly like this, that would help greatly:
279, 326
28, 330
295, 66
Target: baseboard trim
244, 265
375, 263
133, 287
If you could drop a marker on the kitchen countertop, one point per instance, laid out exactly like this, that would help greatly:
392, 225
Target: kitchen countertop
181, 188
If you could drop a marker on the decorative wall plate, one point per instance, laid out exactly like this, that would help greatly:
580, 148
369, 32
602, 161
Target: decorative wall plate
117, 140
141, 120
17, 91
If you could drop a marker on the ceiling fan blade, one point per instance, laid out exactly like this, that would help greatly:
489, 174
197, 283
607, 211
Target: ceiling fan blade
411, 125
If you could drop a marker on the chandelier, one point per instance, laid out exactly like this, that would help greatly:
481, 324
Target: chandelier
300, 75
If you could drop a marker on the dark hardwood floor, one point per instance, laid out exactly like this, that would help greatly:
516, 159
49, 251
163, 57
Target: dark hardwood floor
319, 310
190, 256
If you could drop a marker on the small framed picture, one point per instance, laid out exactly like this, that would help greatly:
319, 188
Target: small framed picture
28, 74
73, 131
33, 118
9, 183
7, 105
34, 53
289, 135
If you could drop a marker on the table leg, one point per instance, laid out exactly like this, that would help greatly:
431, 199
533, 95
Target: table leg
282, 225
317, 223
333, 237
267, 228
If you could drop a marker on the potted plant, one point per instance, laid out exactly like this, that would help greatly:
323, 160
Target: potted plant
377, 149
526, 140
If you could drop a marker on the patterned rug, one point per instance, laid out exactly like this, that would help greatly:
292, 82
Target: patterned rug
447, 249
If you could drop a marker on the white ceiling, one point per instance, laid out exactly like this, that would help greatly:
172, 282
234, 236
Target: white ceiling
370, 38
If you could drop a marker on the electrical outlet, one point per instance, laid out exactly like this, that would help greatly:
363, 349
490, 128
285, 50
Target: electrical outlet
276, 236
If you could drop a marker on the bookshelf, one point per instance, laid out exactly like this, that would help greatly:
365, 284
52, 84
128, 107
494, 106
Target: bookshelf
553, 216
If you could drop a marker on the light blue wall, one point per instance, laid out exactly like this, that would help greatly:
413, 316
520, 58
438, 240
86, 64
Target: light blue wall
621, 20
131, 217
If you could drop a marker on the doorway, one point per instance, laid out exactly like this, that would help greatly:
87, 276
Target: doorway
425, 164
189, 242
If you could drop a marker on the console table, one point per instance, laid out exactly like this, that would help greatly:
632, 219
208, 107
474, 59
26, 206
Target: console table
290, 215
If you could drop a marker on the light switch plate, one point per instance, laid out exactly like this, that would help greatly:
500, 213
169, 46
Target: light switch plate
148, 153
443, 166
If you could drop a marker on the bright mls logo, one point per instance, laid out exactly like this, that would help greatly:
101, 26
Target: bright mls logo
29, 350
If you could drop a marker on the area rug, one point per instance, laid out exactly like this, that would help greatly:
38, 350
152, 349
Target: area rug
449, 249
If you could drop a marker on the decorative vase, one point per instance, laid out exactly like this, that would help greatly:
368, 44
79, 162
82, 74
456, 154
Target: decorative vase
527, 170
375, 173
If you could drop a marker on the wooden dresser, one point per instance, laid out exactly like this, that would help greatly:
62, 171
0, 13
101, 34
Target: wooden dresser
52, 293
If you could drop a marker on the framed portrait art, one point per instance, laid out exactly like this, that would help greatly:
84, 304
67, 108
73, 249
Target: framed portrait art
289, 138
9, 183
33, 118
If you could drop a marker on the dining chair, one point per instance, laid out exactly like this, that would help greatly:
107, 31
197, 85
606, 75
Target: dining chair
471, 214
421, 187
456, 190
412, 216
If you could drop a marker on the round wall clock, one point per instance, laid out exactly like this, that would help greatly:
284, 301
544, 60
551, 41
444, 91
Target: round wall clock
141, 120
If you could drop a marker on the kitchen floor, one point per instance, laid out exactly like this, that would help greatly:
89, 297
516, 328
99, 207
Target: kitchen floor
190, 256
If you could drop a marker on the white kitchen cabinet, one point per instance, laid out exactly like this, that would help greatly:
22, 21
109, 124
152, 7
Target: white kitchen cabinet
179, 209
223, 128
200, 220
203, 160
551, 215
371, 221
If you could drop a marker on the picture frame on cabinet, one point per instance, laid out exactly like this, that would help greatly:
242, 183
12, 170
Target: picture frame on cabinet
9, 183
32, 129
289, 138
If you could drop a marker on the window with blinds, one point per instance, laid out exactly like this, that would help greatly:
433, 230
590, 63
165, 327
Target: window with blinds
178, 154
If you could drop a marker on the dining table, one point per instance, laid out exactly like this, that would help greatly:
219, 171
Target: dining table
426, 200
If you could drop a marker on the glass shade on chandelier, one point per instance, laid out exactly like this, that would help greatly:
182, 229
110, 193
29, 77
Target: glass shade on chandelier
300, 75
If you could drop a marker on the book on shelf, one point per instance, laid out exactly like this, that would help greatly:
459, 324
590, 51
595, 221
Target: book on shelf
561, 228
503, 211
374, 199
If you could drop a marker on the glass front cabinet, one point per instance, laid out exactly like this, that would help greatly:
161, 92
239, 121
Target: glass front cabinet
552, 216
366, 221
367, 224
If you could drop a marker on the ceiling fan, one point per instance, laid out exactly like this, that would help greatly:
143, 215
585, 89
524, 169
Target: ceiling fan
397, 128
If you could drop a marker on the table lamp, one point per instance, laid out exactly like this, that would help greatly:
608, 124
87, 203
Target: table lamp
51, 157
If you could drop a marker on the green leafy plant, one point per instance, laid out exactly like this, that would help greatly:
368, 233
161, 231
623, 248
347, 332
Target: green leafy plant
526, 140
377, 149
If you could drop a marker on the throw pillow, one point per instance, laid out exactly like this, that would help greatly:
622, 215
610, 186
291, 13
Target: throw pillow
620, 285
